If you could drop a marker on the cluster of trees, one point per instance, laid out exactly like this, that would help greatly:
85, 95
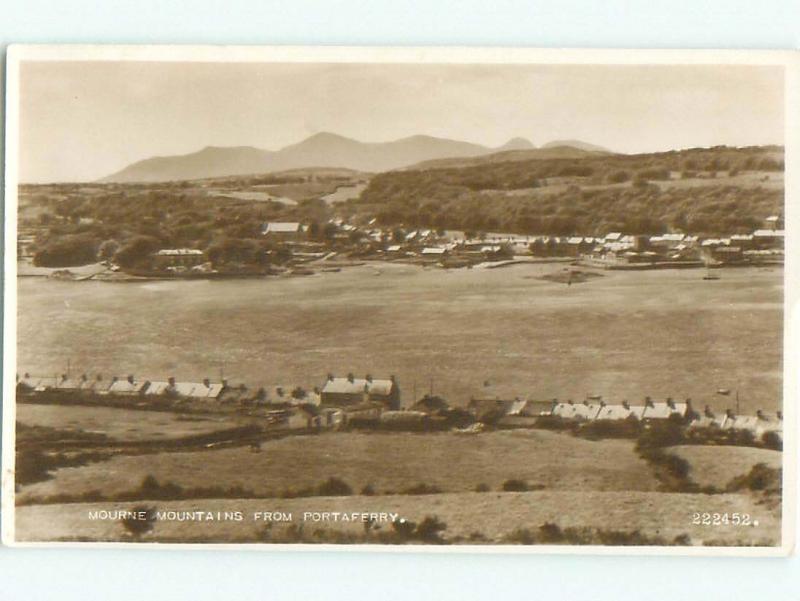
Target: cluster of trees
544, 202
127, 224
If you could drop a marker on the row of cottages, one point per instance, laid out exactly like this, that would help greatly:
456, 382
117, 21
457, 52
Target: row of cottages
351, 391
122, 387
758, 425
601, 411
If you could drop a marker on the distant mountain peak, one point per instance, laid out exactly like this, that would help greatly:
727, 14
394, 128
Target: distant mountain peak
579, 144
517, 144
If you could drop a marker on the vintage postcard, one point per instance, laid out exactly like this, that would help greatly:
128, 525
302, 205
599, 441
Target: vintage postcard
384, 298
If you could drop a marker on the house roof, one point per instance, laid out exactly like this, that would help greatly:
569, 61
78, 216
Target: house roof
157, 388
123, 386
768, 233
179, 252
433, 250
357, 386
664, 410
281, 227
613, 412
197, 390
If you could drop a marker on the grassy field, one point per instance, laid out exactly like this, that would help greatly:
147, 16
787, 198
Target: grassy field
390, 462
493, 515
625, 335
120, 424
718, 465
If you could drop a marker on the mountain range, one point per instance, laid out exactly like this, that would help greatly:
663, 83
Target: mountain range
321, 150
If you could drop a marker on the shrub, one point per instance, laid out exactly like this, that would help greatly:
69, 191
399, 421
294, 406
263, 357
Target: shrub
334, 487
429, 530
521, 536
514, 485
137, 527
772, 440
550, 533
422, 489
760, 477
368, 490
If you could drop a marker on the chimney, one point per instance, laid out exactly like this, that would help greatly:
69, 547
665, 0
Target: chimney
224, 383
114, 379
648, 402
130, 378
626, 405
368, 378
84, 378
780, 415
729, 413
171, 381
602, 403
99, 377
708, 412
569, 402
63, 377
351, 378
585, 402
206, 382
27, 375
760, 414
670, 403
330, 377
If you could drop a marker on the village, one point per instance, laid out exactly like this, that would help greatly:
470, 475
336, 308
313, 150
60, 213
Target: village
295, 248
375, 404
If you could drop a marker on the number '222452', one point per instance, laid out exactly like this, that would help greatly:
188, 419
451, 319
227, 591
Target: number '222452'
723, 519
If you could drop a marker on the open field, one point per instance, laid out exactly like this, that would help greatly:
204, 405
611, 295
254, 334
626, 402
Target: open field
390, 462
493, 515
718, 465
121, 424
624, 336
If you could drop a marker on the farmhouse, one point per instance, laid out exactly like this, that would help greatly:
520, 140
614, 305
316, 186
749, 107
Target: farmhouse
350, 391
283, 230
178, 257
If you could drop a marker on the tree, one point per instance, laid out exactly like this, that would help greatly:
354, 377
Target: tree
107, 250
137, 251
140, 520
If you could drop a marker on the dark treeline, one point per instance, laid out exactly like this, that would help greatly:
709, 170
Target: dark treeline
587, 196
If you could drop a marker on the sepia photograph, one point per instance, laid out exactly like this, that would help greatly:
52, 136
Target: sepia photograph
415, 298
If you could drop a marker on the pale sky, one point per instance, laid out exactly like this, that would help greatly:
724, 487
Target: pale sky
80, 121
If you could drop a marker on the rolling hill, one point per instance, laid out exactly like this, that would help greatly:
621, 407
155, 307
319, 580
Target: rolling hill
320, 150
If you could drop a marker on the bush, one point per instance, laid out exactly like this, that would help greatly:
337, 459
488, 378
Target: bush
137, 527
368, 491
550, 533
759, 478
334, 487
514, 485
422, 489
67, 251
772, 440
430, 529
